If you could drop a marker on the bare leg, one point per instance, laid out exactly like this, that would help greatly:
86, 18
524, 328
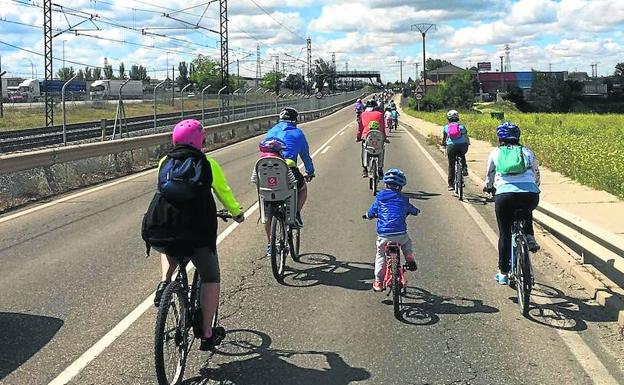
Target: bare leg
167, 267
302, 196
209, 300
267, 230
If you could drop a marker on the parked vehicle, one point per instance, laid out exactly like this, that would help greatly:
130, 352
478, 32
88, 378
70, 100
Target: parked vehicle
109, 89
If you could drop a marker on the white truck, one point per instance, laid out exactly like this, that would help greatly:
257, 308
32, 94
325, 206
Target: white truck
109, 89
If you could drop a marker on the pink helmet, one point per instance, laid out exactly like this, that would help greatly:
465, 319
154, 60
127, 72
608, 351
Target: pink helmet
189, 131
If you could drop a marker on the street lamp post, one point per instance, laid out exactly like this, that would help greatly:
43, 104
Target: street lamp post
155, 89
203, 104
63, 105
182, 97
423, 28
219, 97
246, 92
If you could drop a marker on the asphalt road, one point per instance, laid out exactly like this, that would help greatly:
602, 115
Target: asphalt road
72, 271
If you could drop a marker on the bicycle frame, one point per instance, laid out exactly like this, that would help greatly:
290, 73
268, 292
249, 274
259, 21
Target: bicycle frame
393, 251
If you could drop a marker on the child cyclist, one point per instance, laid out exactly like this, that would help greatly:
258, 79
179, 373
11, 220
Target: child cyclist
395, 117
391, 209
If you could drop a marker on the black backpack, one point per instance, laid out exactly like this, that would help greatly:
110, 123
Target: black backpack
182, 213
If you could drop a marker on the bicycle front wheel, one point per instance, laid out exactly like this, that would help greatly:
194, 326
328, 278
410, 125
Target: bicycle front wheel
459, 180
396, 287
375, 179
294, 241
171, 337
524, 279
278, 247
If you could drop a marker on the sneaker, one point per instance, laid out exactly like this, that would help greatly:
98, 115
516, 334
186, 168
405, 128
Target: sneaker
532, 243
160, 289
358, 140
209, 344
502, 278
269, 250
378, 286
450, 188
465, 171
365, 173
411, 265
386, 141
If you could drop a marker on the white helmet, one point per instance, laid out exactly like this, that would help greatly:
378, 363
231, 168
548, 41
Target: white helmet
452, 114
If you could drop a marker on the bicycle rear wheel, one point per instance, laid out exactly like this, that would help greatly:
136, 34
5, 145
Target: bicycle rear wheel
278, 247
171, 336
375, 178
459, 180
294, 241
396, 287
524, 279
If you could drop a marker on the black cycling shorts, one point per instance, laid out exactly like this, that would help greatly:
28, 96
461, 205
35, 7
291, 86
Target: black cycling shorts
206, 262
299, 177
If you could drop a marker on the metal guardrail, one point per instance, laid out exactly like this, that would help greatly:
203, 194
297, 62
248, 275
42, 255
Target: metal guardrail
47, 157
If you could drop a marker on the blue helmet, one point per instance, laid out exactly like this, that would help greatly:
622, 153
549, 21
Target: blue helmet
508, 130
395, 177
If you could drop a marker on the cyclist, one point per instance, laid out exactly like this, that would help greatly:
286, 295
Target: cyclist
395, 117
359, 107
513, 174
199, 237
272, 148
392, 105
286, 130
388, 118
391, 209
455, 139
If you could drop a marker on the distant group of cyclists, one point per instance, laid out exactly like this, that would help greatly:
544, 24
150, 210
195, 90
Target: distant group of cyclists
181, 218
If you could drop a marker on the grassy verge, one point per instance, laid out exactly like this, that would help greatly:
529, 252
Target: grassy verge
20, 118
589, 148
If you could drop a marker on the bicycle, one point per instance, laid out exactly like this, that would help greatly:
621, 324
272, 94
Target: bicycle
372, 150
459, 178
395, 278
285, 239
186, 315
521, 272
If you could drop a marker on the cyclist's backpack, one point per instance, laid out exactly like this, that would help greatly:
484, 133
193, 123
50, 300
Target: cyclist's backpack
511, 160
182, 213
454, 130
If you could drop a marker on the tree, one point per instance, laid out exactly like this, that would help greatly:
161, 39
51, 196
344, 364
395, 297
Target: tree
294, 82
183, 78
457, 91
434, 64
324, 73
138, 72
65, 73
516, 96
552, 94
272, 81
206, 72
97, 74
88, 74
619, 70
108, 72
122, 71
80, 75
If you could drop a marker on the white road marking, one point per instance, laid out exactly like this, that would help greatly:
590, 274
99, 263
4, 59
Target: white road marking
342, 133
584, 355
94, 351
325, 150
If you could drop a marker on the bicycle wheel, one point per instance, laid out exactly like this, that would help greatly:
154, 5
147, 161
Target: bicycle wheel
459, 179
524, 280
294, 241
171, 342
375, 178
278, 247
396, 287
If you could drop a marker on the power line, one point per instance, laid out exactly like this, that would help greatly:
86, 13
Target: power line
277, 21
40, 54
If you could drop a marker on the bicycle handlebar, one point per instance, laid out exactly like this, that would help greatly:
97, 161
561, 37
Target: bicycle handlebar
224, 214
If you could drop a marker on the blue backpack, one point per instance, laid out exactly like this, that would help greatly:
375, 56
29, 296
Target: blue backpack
180, 179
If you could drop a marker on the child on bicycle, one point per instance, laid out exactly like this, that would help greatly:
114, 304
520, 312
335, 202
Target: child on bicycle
395, 117
455, 139
272, 148
391, 209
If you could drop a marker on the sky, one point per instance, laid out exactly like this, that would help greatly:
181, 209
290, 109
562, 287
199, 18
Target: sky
564, 35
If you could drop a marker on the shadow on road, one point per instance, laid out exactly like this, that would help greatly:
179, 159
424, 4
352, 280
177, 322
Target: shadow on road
22, 336
553, 308
326, 270
421, 195
421, 307
262, 365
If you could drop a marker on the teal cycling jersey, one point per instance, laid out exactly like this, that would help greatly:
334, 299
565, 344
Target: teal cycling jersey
461, 140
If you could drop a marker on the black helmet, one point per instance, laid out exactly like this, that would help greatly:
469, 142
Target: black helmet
289, 114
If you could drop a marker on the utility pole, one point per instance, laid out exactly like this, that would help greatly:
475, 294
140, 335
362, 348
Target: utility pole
173, 84
1, 98
258, 67
417, 77
423, 28
237, 73
334, 60
502, 74
309, 49
225, 72
63, 53
549, 67
401, 64
47, 38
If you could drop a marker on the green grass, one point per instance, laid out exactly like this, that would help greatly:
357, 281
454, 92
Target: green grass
589, 148
20, 118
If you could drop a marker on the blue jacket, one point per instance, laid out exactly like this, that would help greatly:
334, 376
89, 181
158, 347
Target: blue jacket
296, 144
391, 208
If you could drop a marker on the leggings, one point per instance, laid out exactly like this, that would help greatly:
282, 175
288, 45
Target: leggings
505, 206
452, 150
